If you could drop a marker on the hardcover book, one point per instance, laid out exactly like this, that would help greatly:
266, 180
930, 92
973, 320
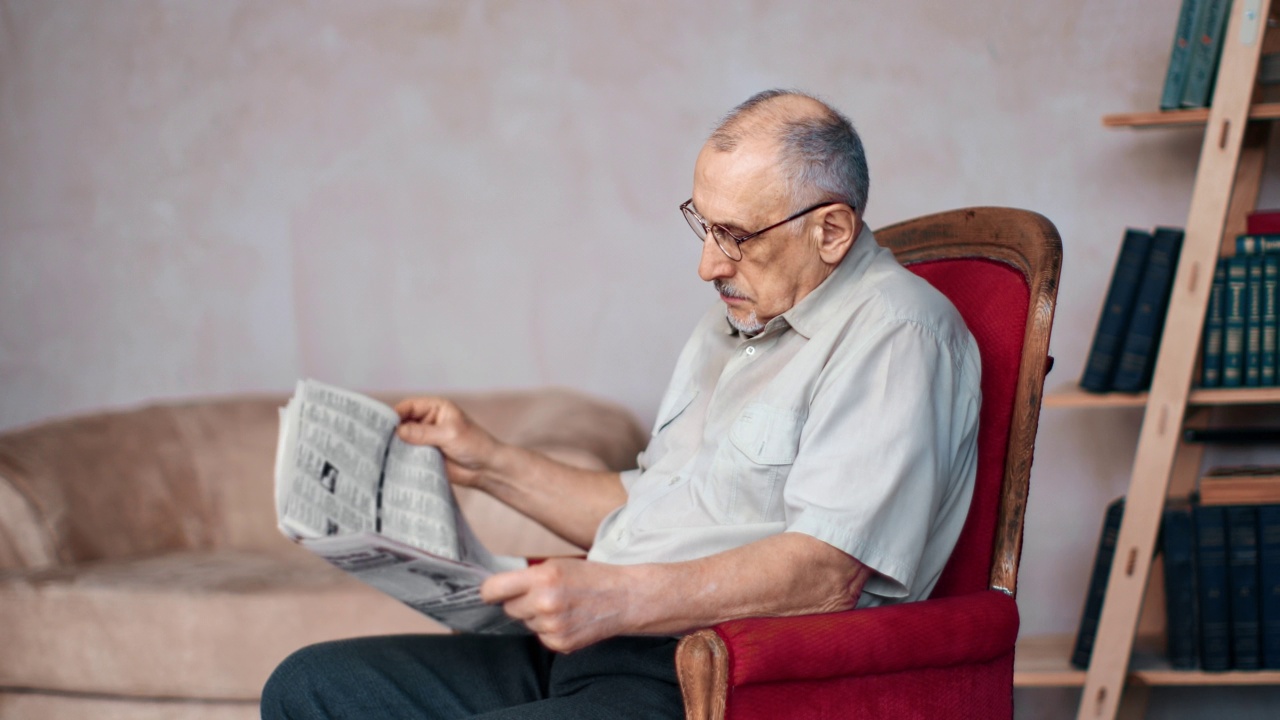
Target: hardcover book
1177, 537
1211, 587
1092, 612
1215, 319
1138, 354
1180, 57
1269, 583
1113, 323
1242, 582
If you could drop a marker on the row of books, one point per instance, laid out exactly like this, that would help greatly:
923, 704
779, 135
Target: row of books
1222, 574
1193, 62
1239, 342
1122, 356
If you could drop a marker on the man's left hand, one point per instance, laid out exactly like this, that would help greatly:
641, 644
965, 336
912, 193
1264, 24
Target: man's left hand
569, 603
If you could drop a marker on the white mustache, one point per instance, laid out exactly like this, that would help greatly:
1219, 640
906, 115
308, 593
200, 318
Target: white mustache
728, 290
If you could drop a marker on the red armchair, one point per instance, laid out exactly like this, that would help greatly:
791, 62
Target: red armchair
950, 656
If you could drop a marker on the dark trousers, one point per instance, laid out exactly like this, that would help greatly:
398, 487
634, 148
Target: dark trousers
462, 676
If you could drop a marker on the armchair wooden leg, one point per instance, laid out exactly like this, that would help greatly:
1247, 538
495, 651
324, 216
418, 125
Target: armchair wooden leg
702, 664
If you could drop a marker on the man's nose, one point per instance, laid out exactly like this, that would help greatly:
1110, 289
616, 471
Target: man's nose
714, 264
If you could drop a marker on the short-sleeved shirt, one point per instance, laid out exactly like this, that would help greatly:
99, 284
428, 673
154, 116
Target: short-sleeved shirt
852, 418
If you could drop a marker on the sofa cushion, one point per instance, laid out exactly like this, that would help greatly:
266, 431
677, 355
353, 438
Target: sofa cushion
184, 625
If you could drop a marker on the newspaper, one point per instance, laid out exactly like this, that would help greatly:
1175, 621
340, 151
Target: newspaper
349, 490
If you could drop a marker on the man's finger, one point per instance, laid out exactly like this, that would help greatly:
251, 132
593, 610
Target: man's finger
505, 586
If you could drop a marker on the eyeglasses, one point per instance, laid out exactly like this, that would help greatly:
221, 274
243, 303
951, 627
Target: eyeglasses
729, 243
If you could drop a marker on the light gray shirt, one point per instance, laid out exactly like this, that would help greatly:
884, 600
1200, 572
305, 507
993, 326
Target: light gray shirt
852, 418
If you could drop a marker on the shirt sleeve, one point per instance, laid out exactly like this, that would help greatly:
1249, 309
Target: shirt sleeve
889, 419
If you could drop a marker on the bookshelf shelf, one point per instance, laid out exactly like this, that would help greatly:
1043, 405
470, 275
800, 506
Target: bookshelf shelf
1182, 118
1072, 397
1042, 661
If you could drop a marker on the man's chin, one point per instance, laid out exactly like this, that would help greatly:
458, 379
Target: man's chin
749, 325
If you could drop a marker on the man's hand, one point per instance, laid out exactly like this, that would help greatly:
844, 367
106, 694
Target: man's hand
468, 448
570, 604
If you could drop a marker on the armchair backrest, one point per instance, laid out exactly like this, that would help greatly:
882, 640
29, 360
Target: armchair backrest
999, 267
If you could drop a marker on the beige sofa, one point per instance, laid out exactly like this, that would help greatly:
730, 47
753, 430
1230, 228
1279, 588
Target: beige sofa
141, 573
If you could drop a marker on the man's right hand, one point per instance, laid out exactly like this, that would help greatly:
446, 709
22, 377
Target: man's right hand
468, 449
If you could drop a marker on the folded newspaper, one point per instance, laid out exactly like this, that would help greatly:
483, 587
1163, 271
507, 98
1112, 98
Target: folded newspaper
349, 490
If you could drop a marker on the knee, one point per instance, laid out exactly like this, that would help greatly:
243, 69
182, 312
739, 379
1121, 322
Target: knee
295, 690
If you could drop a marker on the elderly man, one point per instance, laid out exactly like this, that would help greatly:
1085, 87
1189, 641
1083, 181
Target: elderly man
815, 451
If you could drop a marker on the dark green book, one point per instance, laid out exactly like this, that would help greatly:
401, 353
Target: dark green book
1178, 542
1215, 317
1211, 587
1113, 323
1242, 583
1253, 323
1257, 244
1092, 612
1270, 339
1269, 583
1141, 342
1175, 78
1233, 326
1204, 53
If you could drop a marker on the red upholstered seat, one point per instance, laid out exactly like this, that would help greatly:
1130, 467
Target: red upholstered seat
950, 656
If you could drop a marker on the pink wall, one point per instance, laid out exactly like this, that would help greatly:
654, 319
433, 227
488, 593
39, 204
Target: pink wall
212, 197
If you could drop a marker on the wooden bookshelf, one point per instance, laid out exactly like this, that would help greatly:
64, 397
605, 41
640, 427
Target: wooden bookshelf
1182, 118
1072, 397
1043, 661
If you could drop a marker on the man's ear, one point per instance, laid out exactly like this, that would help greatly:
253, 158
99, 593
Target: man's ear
838, 226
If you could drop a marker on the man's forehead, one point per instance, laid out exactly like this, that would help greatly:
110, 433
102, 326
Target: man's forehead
737, 184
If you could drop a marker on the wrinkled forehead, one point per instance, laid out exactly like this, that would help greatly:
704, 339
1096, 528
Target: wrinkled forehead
739, 186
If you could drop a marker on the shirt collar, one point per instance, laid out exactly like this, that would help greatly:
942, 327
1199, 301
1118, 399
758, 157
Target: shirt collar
816, 308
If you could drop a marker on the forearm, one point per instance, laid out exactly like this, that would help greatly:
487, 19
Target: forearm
786, 574
569, 501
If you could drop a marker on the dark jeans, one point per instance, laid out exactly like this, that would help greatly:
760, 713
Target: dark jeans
461, 676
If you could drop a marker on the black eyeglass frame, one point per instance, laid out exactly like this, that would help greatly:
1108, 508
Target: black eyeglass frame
701, 228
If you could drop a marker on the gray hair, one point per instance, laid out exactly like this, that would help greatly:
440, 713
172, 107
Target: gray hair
821, 154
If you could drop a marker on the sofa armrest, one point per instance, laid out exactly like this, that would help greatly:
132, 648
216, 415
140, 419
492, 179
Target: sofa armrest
930, 634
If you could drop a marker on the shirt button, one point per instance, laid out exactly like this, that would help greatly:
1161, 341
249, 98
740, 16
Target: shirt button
674, 480
751, 350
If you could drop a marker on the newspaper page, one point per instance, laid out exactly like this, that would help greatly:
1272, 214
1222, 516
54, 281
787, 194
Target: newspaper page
352, 492
446, 591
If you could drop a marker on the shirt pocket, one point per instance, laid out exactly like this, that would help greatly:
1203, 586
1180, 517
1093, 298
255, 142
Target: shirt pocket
751, 467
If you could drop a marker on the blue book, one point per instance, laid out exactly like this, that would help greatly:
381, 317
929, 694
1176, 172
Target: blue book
1253, 322
1242, 583
1113, 324
1257, 244
1212, 25
1233, 326
1270, 339
1269, 583
1138, 354
1211, 587
1178, 540
1211, 355
1175, 78
1092, 612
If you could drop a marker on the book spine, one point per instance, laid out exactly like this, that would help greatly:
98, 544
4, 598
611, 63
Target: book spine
1211, 569
1138, 354
1204, 53
1242, 582
1269, 583
1270, 338
1253, 323
1257, 244
1177, 535
1261, 222
1088, 631
1233, 325
1180, 57
1211, 358
1116, 310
